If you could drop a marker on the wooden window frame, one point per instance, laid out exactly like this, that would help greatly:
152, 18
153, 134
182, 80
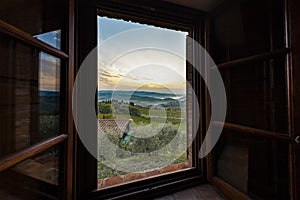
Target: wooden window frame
161, 14
26, 39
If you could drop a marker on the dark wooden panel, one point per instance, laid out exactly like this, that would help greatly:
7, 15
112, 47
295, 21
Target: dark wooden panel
294, 42
31, 151
156, 11
249, 40
229, 190
38, 177
256, 94
70, 171
259, 57
149, 189
256, 166
238, 32
36, 17
203, 192
254, 131
86, 164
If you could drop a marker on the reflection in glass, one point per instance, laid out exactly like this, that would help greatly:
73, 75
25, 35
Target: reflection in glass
49, 95
256, 95
35, 178
52, 38
238, 33
254, 165
39, 17
30, 96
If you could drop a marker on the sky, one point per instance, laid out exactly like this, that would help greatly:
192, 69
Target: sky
49, 73
146, 69
49, 66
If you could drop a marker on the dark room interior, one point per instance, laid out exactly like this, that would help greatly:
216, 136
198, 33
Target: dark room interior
254, 45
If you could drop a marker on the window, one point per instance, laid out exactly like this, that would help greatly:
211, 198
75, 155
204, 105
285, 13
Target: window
31, 107
38, 177
43, 20
142, 101
252, 156
131, 89
33, 118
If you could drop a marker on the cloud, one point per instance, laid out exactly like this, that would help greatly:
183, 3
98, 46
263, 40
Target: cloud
56, 39
113, 72
49, 73
153, 86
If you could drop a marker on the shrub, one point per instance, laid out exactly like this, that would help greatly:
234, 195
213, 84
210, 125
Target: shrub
134, 111
104, 108
105, 148
164, 135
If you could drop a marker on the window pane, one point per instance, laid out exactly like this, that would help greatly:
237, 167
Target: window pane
238, 32
256, 95
52, 38
35, 178
30, 96
40, 18
254, 165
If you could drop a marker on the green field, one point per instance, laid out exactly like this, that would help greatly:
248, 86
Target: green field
140, 115
141, 149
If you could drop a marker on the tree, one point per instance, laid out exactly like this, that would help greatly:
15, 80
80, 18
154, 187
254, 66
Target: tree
134, 111
104, 108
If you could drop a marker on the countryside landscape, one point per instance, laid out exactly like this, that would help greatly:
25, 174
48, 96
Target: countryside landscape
141, 100
161, 115
117, 104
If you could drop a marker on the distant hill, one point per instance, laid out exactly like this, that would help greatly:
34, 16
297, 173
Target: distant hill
48, 93
49, 102
142, 98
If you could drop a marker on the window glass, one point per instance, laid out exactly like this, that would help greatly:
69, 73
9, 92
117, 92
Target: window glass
30, 96
254, 165
247, 27
40, 18
35, 178
256, 94
53, 38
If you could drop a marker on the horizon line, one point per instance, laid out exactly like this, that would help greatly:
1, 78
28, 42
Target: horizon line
126, 90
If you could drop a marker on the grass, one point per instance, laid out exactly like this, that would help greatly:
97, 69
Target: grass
137, 120
105, 171
145, 160
143, 119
